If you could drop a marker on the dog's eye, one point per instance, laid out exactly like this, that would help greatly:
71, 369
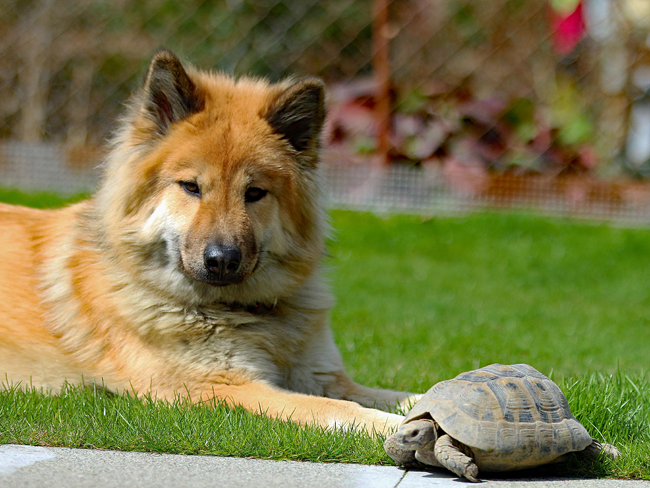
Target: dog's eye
191, 188
253, 194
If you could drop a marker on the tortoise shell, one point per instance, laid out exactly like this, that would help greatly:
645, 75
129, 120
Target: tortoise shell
511, 416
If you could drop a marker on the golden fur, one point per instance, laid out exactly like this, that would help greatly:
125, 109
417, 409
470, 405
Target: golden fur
131, 288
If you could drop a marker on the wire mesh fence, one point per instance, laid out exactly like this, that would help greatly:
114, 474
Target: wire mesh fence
403, 189
452, 104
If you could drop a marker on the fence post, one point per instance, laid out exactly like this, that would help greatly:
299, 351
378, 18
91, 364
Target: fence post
381, 68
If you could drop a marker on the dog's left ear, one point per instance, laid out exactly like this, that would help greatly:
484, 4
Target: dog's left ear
170, 95
298, 113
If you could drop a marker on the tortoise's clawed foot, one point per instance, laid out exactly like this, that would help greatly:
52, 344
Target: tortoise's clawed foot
596, 449
450, 453
462, 468
610, 451
469, 471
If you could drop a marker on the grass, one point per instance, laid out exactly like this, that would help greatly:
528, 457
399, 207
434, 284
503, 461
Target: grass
460, 293
89, 418
421, 300
37, 199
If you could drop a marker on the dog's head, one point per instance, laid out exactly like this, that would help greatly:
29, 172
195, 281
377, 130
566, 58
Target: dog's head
212, 181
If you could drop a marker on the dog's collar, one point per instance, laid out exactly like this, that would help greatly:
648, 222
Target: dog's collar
259, 308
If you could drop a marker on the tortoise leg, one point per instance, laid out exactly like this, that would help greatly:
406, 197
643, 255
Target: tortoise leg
596, 449
428, 458
453, 456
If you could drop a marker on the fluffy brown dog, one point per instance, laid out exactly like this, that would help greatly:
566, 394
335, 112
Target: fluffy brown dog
195, 269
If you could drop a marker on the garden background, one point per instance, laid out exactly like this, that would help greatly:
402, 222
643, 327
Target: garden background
435, 106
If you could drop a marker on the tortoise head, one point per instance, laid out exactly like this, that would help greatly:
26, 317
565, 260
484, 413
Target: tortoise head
417, 434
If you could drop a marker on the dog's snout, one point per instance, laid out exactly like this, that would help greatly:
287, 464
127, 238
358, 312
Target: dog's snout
223, 262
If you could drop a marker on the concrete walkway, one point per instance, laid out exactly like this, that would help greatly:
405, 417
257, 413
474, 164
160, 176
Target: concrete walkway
32, 467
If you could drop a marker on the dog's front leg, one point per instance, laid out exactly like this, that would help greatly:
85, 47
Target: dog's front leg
345, 388
329, 374
329, 413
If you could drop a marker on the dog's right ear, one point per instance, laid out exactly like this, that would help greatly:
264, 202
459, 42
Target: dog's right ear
170, 95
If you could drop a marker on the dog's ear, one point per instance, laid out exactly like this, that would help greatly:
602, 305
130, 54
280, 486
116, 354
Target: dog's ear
298, 113
170, 95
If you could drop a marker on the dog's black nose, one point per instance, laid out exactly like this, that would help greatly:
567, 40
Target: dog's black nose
223, 261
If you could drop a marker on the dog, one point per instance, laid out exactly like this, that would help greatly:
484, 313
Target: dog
195, 269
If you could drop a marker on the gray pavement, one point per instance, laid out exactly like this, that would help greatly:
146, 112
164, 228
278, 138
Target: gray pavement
31, 467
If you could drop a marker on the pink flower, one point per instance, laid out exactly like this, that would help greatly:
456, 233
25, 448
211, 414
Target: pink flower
567, 27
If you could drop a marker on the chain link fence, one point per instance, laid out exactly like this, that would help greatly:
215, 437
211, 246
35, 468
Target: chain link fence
434, 105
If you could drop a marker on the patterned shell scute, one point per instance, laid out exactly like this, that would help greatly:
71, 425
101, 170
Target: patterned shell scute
514, 410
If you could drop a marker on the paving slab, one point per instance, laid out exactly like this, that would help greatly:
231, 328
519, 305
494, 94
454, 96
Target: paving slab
419, 479
35, 467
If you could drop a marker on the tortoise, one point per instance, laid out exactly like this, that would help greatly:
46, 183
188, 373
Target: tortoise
497, 418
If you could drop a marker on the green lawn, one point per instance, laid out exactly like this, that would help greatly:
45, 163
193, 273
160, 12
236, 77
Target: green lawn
38, 199
460, 293
420, 301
